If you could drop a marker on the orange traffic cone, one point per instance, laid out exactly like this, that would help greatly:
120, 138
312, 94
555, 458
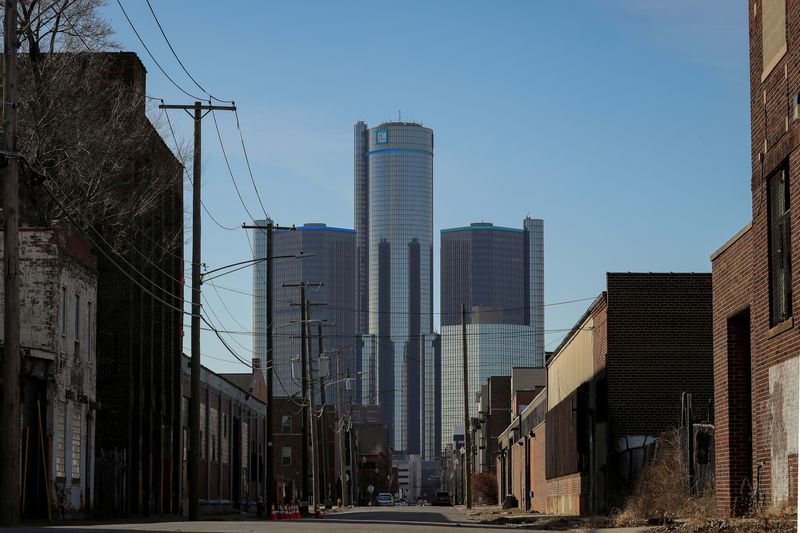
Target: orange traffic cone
281, 513
296, 510
274, 514
317, 512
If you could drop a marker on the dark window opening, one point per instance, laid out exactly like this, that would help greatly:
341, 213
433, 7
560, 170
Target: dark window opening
780, 246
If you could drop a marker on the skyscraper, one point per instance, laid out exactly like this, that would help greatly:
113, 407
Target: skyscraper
497, 273
394, 226
328, 265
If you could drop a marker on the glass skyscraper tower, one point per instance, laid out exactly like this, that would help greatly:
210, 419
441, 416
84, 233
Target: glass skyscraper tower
328, 267
497, 273
394, 227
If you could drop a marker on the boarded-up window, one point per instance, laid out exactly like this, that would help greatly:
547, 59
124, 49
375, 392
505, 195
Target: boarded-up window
61, 443
245, 447
76, 442
226, 446
213, 432
203, 432
773, 33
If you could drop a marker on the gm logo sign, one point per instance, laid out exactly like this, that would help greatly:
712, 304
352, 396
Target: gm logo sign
381, 137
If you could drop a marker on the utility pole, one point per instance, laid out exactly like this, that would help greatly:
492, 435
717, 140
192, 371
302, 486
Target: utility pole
307, 388
312, 409
352, 455
304, 387
10, 447
342, 462
467, 437
194, 401
323, 432
268, 364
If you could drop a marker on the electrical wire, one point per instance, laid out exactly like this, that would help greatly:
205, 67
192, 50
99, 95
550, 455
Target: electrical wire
149, 53
228, 165
169, 44
186, 172
90, 226
106, 254
247, 160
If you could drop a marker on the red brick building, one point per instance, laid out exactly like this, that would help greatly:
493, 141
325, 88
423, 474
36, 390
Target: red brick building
614, 385
755, 272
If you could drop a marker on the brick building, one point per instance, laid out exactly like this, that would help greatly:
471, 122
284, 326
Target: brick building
614, 385
140, 333
58, 305
494, 414
521, 457
232, 436
755, 272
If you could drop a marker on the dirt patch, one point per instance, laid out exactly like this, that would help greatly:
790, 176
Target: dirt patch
731, 525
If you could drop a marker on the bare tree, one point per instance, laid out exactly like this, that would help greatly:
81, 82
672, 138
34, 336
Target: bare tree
83, 127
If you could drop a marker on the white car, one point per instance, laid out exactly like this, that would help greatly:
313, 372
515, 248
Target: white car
384, 498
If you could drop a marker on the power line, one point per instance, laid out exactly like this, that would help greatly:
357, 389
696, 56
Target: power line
247, 160
89, 225
186, 172
126, 274
228, 164
149, 53
179, 59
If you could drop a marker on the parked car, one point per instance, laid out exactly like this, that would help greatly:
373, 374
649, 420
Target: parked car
384, 498
441, 497
421, 501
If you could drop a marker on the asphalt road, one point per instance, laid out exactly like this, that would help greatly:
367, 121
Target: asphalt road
365, 519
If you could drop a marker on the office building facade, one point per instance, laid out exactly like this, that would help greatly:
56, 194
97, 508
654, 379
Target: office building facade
328, 256
394, 226
497, 273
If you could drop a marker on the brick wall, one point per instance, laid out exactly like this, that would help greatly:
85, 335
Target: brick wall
539, 481
775, 137
659, 345
732, 274
139, 340
566, 495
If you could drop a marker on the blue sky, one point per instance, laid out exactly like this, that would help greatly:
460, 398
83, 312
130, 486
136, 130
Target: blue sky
624, 124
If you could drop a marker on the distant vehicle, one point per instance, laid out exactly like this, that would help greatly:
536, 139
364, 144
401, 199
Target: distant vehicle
400, 501
421, 501
384, 498
441, 498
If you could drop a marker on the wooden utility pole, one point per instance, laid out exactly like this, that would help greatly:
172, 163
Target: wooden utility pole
269, 363
323, 430
340, 434
311, 413
10, 446
194, 402
467, 437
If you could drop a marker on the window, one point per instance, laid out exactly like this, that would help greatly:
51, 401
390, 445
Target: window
213, 432
773, 34
202, 432
76, 442
286, 424
286, 456
61, 435
89, 330
780, 246
77, 317
245, 448
226, 447
64, 311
